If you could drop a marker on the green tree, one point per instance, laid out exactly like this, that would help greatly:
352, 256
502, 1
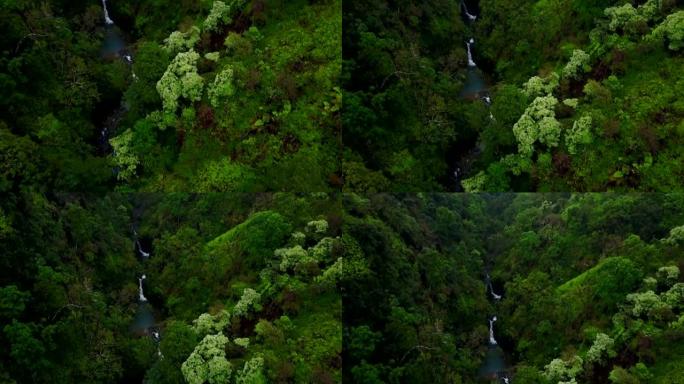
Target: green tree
580, 134
124, 156
180, 79
578, 65
222, 88
602, 349
538, 124
671, 30
207, 363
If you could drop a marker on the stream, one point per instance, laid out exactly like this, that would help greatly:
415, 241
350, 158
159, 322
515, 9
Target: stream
144, 323
494, 366
474, 88
113, 48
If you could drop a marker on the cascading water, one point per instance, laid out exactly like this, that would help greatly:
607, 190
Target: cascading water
470, 16
492, 340
140, 288
140, 250
108, 20
489, 283
471, 63
474, 87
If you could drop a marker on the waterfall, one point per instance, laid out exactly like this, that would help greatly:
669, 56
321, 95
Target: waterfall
492, 340
505, 379
489, 280
142, 253
470, 16
140, 288
108, 21
471, 63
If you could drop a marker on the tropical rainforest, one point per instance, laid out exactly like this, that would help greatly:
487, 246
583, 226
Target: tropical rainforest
250, 191
160, 95
516, 95
170, 288
514, 288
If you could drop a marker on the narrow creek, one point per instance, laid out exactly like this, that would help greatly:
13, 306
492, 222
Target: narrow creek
144, 324
464, 154
113, 48
494, 366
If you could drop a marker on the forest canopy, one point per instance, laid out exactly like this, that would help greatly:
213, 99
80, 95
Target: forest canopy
497, 96
581, 288
194, 96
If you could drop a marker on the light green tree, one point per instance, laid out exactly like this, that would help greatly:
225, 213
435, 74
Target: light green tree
668, 275
210, 324
291, 257
650, 9
124, 157
647, 304
208, 363
180, 42
476, 183
249, 302
571, 103
671, 30
579, 134
222, 87
674, 297
317, 226
676, 236
603, 348
537, 86
559, 370
538, 124
220, 14
624, 18
578, 64
180, 79
212, 56
252, 372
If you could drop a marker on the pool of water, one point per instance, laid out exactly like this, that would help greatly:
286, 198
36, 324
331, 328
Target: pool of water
144, 319
494, 363
113, 42
474, 85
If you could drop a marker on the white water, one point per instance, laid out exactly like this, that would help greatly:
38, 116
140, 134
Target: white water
140, 288
108, 21
470, 16
142, 253
489, 281
471, 63
505, 380
492, 340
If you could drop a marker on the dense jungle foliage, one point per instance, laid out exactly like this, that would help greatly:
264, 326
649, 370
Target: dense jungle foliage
231, 95
243, 288
590, 283
585, 95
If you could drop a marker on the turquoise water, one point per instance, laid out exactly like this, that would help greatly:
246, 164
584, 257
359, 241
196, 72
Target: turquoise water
113, 42
144, 319
474, 85
494, 362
